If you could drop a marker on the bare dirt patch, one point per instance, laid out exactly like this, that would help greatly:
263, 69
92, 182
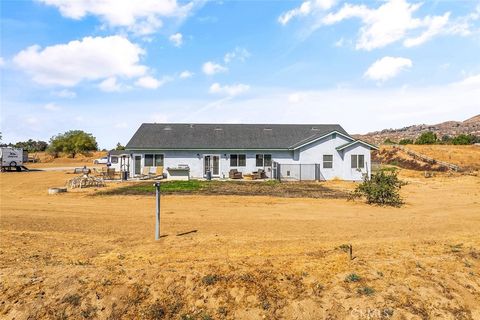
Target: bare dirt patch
74, 256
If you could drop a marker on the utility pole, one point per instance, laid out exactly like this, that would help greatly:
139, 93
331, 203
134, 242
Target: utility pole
157, 224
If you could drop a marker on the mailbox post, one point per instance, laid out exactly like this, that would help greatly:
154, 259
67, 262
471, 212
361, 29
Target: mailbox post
157, 223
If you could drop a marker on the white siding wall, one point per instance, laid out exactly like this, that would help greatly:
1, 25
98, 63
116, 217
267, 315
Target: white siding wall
313, 153
354, 174
310, 154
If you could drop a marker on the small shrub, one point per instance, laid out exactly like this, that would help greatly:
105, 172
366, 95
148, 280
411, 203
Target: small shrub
73, 299
210, 279
365, 291
353, 277
344, 247
382, 189
155, 311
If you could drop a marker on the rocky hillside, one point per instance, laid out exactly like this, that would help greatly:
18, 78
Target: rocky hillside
450, 128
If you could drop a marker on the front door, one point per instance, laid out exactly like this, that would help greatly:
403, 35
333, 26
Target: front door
211, 163
138, 165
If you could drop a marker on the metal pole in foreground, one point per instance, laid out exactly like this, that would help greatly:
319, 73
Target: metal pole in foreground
157, 224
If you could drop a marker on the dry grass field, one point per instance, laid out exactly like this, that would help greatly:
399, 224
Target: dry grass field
78, 256
467, 157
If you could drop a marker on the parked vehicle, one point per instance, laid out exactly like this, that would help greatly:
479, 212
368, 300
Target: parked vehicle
11, 158
102, 160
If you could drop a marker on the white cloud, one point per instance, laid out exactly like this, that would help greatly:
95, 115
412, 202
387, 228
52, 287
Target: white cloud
229, 90
51, 107
140, 16
387, 67
2, 62
186, 74
471, 81
88, 59
149, 82
176, 39
391, 21
238, 53
296, 97
211, 68
435, 25
65, 93
110, 85
305, 9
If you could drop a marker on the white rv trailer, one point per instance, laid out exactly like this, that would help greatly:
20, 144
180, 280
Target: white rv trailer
11, 158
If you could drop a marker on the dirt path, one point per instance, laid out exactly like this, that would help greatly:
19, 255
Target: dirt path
77, 256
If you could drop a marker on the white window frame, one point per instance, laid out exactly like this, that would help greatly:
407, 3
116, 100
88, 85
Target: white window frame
238, 160
328, 161
357, 164
263, 160
153, 159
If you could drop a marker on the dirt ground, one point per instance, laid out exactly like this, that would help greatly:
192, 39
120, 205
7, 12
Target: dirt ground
75, 256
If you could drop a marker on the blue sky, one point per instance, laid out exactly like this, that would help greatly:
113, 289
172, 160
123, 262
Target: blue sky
106, 66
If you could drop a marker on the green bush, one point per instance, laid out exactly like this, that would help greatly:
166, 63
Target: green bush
463, 139
405, 141
382, 188
427, 138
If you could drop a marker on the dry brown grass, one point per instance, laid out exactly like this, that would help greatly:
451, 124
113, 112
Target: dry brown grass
467, 157
74, 256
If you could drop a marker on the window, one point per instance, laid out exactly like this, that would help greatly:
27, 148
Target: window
148, 160
263, 160
358, 161
153, 160
113, 159
159, 160
327, 161
238, 160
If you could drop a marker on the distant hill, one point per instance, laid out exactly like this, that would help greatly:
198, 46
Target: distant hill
450, 128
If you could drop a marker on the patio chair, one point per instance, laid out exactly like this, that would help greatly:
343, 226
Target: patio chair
260, 174
235, 174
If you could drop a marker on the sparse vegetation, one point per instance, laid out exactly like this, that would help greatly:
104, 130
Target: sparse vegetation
210, 279
263, 188
382, 188
73, 299
365, 291
352, 277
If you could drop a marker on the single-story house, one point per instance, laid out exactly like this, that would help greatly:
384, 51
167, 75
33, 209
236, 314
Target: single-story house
314, 152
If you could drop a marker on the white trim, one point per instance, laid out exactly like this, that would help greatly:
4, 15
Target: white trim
355, 142
319, 138
211, 159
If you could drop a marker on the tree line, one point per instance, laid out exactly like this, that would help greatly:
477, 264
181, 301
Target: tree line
431, 138
72, 142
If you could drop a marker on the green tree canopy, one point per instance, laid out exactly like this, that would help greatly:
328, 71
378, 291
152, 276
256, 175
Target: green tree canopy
73, 142
427, 138
405, 141
119, 147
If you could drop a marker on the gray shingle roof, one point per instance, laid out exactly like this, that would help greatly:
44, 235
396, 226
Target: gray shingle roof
227, 136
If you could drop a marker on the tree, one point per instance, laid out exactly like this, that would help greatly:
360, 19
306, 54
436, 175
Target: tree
32, 145
427, 138
72, 142
405, 141
382, 188
119, 147
464, 139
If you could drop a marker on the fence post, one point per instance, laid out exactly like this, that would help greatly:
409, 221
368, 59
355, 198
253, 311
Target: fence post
157, 218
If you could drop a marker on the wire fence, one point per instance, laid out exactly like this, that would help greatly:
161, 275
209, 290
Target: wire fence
297, 172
